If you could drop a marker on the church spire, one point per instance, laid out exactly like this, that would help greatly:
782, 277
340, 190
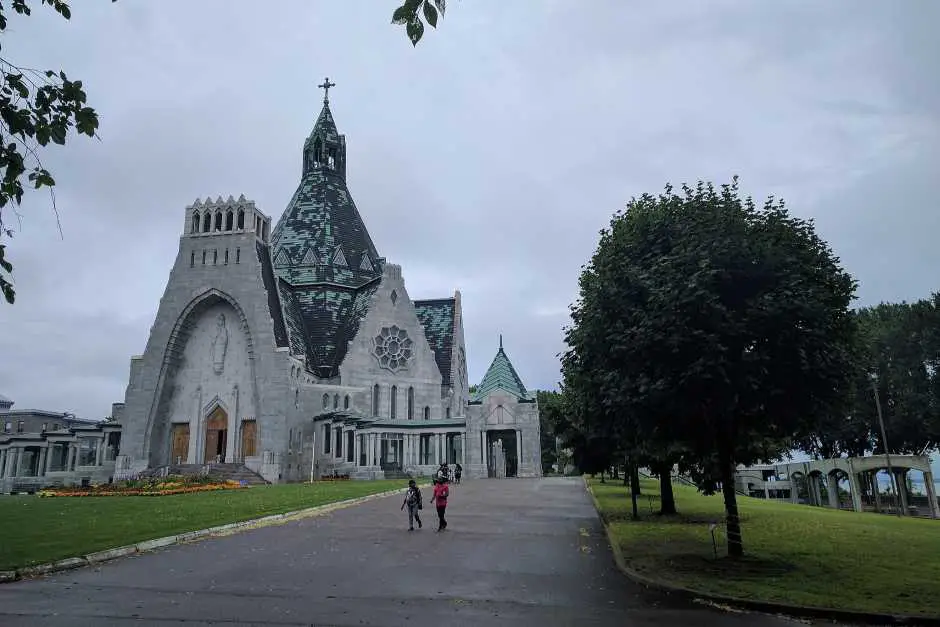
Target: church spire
325, 148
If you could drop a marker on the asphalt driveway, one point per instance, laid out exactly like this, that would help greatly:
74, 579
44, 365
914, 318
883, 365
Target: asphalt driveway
516, 552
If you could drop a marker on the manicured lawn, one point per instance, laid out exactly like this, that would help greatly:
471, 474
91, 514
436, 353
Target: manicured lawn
38, 530
794, 553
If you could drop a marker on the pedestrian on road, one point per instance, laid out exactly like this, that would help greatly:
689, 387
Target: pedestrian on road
458, 471
413, 503
440, 501
443, 472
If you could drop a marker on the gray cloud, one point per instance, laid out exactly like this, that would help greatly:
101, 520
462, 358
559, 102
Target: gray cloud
485, 160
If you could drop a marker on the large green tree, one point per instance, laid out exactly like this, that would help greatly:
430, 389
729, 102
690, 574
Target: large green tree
901, 354
726, 329
36, 108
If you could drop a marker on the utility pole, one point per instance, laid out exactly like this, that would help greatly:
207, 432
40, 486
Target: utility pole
884, 441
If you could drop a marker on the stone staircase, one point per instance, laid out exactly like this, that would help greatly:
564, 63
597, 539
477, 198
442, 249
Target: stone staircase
223, 472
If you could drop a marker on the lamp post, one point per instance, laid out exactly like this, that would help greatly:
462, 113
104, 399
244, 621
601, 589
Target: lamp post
884, 438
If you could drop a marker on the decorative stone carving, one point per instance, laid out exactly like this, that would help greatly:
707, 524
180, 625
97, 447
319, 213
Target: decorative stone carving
219, 345
392, 348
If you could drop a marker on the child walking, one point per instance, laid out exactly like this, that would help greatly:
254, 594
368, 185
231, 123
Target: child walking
413, 503
440, 500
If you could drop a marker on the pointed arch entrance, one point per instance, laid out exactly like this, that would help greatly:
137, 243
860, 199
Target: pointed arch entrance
216, 435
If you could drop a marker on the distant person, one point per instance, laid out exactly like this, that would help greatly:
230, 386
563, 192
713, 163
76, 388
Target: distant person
458, 471
413, 503
443, 472
441, 492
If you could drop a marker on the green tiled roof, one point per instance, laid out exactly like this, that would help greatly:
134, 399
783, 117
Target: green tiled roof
501, 376
437, 318
323, 256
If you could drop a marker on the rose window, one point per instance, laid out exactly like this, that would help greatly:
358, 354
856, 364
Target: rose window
392, 347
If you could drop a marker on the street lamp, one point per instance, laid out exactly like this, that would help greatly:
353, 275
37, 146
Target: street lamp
884, 437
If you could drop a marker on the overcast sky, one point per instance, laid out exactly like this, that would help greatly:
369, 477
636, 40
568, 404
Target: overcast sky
484, 160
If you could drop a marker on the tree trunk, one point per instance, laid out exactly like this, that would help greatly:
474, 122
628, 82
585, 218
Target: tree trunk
667, 502
634, 491
602, 477
626, 471
735, 545
614, 472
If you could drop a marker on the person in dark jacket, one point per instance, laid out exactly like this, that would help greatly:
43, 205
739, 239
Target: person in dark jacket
413, 503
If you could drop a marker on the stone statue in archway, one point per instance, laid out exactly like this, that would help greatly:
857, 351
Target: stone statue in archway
219, 345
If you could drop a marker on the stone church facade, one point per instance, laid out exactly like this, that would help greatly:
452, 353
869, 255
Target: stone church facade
295, 349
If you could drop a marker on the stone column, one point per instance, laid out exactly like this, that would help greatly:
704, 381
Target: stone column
856, 489
41, 466
377, 441
931, 494
3, 463
900, 483
518, 452
232, 430
833, 490
485, 453
70, 457
18, 468
463, 451
98, 453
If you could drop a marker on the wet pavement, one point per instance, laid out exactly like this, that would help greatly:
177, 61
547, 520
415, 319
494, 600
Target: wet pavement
516, 552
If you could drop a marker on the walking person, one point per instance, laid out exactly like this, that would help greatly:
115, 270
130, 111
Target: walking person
413, 503
458, 471
441, 492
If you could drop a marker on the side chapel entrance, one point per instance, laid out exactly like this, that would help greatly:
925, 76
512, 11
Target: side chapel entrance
216, 435
249, 438
179, 443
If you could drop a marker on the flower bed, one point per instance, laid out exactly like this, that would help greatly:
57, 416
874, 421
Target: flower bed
152, 487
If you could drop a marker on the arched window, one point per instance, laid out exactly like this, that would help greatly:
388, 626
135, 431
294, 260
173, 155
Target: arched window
393, 403
296, 399
192, 259
226, 256
411, 403
336, 401
195, 228
206, 222
326, 401
346, 402
427, 412
447, 413
241, 219
229, 220
218, 221
376, 399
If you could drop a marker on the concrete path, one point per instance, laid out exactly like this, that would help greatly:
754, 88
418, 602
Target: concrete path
516, 552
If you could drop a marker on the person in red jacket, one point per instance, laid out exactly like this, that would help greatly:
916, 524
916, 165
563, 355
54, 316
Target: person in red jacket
440, 500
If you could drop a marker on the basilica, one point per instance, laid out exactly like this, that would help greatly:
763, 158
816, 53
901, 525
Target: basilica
294, 350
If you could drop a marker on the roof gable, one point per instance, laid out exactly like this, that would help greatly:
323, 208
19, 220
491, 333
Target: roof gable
501, 376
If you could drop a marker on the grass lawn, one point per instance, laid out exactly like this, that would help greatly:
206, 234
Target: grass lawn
39, 530
793, 553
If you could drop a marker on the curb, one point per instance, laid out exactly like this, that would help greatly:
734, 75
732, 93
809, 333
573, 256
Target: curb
766, 607
70, 563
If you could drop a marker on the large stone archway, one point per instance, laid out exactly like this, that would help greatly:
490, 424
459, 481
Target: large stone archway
210, 355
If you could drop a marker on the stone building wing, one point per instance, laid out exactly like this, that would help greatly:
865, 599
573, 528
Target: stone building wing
501, 376
437, 317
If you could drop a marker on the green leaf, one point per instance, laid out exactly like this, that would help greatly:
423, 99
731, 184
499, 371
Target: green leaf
430, 14
441, 5
402, 15
415, 30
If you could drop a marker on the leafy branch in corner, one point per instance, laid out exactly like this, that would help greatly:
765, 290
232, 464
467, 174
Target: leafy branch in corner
409, 14
36, 108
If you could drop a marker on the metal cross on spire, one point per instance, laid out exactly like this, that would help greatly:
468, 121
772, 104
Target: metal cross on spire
325, 86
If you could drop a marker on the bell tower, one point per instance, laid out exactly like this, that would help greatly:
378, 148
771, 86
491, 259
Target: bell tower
325, 148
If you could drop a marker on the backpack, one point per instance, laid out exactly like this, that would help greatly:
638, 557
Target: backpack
414, 496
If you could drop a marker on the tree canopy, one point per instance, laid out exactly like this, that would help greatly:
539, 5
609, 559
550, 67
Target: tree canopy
711, 331
36, 108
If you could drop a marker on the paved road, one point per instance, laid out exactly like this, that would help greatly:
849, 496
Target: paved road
516, 552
